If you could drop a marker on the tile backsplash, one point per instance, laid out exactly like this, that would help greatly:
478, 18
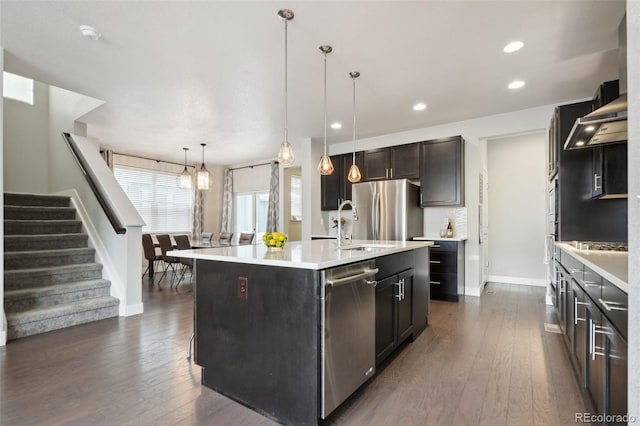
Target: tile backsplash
435, 220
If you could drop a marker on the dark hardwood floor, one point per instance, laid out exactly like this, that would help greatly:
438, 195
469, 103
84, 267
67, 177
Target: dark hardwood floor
484, 361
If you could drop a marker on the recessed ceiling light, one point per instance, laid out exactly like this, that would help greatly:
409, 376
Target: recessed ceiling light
516, 84
589, 129
579, 143
90, 32
419, 106
514, 46
336, 125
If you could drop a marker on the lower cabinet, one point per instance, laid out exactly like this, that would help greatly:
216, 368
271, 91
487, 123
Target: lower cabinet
394, 312
446, 270
593, 316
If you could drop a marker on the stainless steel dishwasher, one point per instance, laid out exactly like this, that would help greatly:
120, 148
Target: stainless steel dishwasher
348, 328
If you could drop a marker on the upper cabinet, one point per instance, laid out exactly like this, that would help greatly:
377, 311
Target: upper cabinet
335, 187
395, 162
442, 172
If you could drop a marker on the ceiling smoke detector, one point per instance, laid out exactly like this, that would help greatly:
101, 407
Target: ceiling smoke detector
90, 32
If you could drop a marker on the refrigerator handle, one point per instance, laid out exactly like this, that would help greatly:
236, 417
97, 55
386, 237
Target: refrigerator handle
376, 223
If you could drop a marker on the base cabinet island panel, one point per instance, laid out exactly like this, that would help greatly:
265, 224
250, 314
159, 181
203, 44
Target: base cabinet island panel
292, 334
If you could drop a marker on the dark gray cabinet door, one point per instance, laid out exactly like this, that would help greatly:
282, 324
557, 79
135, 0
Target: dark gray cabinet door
442, 172
377, 163
616, 367
579, 342
405, 305
595, 359
331, 185
386, 330
405, 161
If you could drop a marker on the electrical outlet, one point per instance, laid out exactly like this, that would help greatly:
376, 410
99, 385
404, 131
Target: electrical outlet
243, 287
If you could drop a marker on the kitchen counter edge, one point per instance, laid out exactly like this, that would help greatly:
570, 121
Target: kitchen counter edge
439, 239
611, 265
316, 254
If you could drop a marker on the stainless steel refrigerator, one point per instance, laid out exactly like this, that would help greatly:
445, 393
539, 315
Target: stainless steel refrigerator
387, 210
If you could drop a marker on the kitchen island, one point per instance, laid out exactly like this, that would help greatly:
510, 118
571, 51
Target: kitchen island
290, 334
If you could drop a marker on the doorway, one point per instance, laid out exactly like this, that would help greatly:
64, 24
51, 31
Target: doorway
517, 209
293, 203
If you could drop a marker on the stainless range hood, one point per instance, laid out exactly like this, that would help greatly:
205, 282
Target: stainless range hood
605, 125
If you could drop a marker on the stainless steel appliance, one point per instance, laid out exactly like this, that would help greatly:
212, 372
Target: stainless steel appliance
389, 210
348, 331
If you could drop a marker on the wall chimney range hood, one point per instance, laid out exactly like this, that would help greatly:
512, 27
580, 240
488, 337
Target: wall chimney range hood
607, 124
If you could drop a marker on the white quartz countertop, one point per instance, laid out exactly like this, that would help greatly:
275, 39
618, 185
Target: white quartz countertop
316, 254
611, 265
427, 238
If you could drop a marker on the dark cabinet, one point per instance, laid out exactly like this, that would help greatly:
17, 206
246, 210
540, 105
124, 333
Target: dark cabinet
446, 270
594, 320
609, 177
442, 172
394, 162
335, 187
394, 312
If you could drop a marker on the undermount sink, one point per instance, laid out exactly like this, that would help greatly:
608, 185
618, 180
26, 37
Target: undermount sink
366, 247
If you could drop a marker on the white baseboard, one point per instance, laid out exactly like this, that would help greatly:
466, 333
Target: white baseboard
3, 338
536, 282
129, 310
476, 291
549, 300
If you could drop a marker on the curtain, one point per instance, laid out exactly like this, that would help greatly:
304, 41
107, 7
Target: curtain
272, 213
227, 202
196, 230
107, 155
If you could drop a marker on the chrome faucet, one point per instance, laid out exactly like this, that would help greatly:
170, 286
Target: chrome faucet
355, 217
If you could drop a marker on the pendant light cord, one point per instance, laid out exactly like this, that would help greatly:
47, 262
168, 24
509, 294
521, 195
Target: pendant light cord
354, 120
286, 126
325, 104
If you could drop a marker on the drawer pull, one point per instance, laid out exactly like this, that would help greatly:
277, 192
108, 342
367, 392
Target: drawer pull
435, 246
435, 282
437, 262
615, 306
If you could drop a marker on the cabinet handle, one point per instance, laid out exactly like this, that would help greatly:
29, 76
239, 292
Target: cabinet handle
373, 283
590, 284
597, 187
435, 282
386, 173
575, 310
399, 295
436, 262
391, 172
403, 295
615, 306
435, 246
593, 348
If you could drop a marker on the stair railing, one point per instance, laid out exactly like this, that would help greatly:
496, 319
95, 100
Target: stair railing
92, 181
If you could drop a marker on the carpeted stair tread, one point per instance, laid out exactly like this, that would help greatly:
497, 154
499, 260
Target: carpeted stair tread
45, 241
31, 227
57, 294
45, 258
32, 277
19, 199
17, 318
39, 213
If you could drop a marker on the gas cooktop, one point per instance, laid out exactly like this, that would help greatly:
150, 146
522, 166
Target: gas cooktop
600, 245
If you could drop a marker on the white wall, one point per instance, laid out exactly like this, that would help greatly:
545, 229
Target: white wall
517, 206
633, 91
473, 131
26, 136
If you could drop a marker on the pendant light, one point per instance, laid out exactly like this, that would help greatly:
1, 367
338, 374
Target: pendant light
202, 177
354, 172
184, 178
326, 166
285, 155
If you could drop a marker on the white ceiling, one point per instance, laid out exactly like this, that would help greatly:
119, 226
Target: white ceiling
178, 73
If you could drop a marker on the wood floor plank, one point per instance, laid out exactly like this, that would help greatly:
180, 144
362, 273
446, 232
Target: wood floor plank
483, 360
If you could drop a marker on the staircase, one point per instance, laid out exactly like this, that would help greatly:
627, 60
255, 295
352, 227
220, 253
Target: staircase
51, 280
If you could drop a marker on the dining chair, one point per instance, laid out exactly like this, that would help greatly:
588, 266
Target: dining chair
246, 238
182, 243
150, 255
165, 245
225, 237
206, 236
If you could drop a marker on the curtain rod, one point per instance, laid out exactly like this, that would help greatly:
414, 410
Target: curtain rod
147, 158
253, 165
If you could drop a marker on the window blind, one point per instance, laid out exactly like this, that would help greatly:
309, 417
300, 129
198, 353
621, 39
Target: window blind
163, 206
